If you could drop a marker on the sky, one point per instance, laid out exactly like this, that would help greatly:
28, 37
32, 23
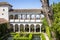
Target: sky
27, 4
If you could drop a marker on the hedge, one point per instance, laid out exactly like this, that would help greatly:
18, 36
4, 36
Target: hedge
42, 36
48, 32
30, 36
17, 37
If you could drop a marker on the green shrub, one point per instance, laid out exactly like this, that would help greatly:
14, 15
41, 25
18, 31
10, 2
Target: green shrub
30, 36
48, 32
42, 36
13, 34
18, 37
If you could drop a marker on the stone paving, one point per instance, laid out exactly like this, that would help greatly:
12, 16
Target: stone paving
10, 38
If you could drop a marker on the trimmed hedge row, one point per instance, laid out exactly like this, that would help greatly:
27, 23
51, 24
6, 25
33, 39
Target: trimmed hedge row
30, 36
13, 34
17, 37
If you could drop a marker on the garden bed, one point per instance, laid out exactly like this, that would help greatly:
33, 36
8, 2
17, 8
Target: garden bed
20, 36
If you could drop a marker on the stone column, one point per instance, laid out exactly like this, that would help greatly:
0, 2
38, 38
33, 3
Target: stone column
26, 16
21, 16
24, 27
30, 18
29, 28
18, 27
14, 17
34, 27
40, 27
14, 27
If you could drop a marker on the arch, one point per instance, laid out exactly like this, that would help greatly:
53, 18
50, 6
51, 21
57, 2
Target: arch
32, 27
16, 16
27, 28
23, 16
37, 16
33, 16
11, 27
21, 27
42, 16
27, 16
16, 27
10, 16
37, 28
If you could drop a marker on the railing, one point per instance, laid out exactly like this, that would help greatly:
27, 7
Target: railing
25, 20
16, 20
11, 20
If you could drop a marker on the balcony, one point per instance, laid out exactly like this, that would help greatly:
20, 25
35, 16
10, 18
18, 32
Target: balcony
16, 20
11, 20
32, 20
21, 20
38, 20
27, 20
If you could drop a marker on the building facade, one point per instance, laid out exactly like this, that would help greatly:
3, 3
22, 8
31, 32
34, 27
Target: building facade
22, 20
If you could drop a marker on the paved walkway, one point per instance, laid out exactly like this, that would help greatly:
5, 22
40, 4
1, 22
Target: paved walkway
10, 38
46, 36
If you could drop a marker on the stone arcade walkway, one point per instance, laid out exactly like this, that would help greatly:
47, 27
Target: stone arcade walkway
36, 37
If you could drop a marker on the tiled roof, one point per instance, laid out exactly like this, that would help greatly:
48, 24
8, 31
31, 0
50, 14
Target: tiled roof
2, 20
4, 3
25, 10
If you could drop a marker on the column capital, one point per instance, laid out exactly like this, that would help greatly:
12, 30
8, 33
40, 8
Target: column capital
40, 24
24, 24
29, 24
19, 24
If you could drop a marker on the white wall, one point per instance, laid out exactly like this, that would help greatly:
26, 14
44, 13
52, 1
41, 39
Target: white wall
4, 14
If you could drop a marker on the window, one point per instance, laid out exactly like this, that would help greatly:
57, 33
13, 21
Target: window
32, 16
3, 9
37, 16
19, 16
42, 16
23, 16
10, 16
2, 13
28, 16
16, 16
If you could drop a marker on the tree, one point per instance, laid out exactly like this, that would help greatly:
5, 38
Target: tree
3, 29
56, 21
47, 11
